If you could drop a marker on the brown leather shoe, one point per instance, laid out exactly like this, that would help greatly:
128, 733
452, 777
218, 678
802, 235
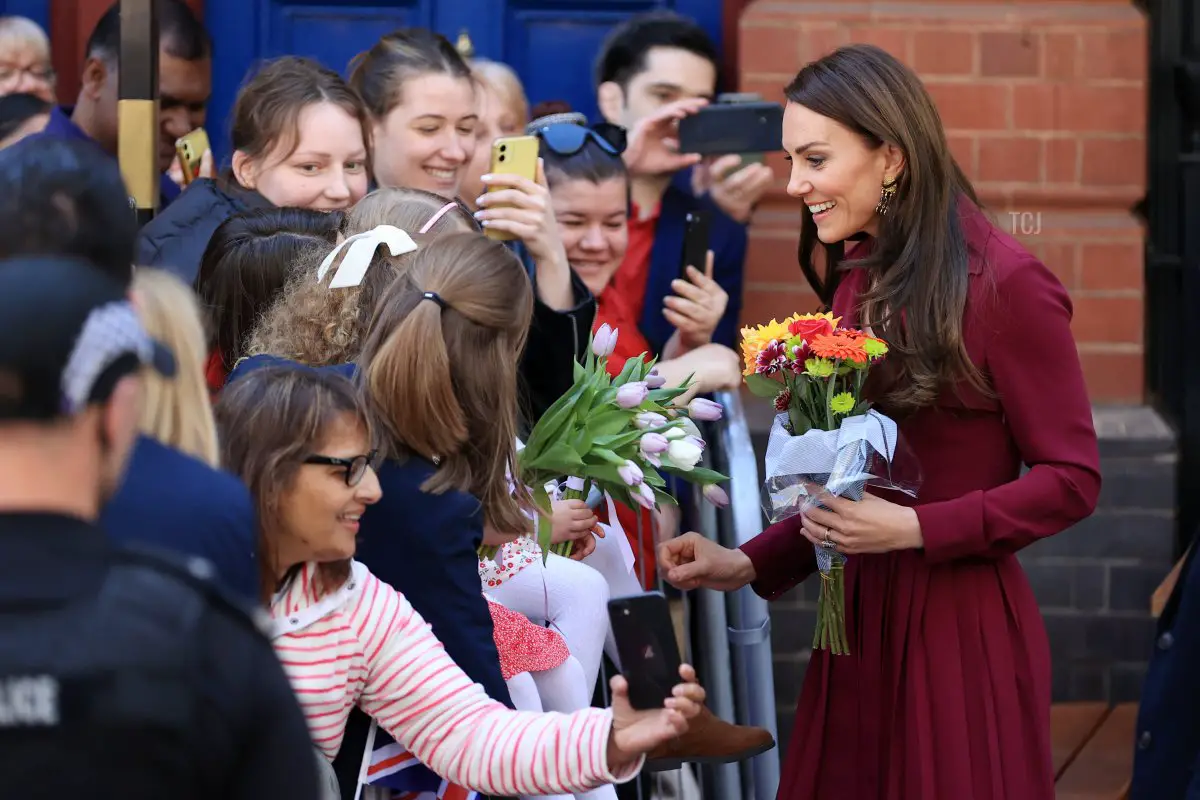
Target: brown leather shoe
710, 740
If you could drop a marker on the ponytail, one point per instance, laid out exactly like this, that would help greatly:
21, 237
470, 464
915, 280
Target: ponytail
412, 363
439, 368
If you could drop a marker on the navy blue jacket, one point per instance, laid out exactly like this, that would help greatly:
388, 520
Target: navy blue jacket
60, 126
173, 502
727, 240
1166, 763
176, 239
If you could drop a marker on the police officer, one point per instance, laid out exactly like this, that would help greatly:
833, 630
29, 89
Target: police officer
121, 675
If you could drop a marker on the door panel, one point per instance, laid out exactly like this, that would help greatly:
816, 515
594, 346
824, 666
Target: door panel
551, 43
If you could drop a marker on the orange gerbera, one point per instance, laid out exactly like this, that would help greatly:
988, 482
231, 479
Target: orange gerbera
838, 346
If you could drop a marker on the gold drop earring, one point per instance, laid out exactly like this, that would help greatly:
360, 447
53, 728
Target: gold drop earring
885, 196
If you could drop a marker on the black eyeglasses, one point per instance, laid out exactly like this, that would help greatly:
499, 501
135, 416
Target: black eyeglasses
355, 467
567, 139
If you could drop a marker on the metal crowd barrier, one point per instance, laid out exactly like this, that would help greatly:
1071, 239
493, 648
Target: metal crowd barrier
727, 635
748, 634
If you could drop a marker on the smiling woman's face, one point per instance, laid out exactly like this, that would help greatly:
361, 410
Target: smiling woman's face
319, 513
427, 140
834, 171
592, 221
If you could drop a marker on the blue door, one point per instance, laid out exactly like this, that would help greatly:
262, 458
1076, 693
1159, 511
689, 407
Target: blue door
551, 43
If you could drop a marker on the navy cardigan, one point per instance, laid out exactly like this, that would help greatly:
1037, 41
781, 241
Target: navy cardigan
727, 240
1166, 763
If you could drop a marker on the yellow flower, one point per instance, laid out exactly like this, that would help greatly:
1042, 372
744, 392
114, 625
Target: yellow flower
818, 367
756, 338
874, 348
841, 403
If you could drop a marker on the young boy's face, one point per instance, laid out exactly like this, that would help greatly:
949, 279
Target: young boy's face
671, 74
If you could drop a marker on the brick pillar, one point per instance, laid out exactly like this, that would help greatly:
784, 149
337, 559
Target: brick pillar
1045, 108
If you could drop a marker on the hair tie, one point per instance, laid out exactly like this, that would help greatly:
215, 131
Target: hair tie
441, 212
360, 251
435, 297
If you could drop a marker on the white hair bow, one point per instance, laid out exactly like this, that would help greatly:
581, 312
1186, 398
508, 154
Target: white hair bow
360, 250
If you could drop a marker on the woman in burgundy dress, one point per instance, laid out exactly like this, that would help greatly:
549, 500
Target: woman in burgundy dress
946, 692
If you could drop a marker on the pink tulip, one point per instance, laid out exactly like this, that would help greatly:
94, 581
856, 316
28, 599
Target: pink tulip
653, 443
654, 380
716, 495
631, 473
649, 419
604, 341
644, 496
705, 410
632, 395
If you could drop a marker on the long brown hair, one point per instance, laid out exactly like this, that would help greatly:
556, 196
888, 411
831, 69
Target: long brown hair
267, 110
442, 382
918, 264
378, 74
319, 326
270, 421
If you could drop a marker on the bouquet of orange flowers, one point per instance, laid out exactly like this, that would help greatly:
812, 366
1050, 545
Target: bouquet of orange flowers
825, 433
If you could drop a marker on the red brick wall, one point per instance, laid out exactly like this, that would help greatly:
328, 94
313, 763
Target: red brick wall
1045, 107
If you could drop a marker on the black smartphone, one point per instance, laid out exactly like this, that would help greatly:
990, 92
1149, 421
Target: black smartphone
723, 128
646, 647
695, 243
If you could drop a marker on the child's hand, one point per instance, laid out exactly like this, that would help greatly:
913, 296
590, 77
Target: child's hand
571, 520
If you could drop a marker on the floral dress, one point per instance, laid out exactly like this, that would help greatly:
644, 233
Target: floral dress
510, 559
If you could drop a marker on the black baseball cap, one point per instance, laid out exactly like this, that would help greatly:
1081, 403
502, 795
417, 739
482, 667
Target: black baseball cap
68, 334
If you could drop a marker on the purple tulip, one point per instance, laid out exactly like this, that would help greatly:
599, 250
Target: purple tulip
631, 473
649, 419
654, 443
645, 497
632, 395
654, 380
716, 495
705, 410
696, 441
604, 341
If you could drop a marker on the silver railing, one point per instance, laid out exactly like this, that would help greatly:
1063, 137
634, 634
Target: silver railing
728, 635
749, 630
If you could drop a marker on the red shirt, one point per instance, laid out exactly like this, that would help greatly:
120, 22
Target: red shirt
613, 308
634, 272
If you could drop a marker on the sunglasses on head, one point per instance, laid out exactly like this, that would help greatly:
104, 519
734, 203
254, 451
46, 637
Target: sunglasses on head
566, 139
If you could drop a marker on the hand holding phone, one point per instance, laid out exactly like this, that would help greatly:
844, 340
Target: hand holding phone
190, 151
514, 161
646, 647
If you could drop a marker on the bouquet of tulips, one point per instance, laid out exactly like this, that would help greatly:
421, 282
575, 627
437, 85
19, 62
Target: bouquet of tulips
825, 434
617, 434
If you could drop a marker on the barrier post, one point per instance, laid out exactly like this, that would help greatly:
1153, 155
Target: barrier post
137, 107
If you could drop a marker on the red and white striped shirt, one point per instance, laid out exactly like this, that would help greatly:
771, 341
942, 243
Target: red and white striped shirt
368, 646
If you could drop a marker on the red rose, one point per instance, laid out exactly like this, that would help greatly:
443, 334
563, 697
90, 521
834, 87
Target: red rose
806, 329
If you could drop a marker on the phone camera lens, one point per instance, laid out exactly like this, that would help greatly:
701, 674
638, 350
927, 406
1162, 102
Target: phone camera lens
502, 157
503, 147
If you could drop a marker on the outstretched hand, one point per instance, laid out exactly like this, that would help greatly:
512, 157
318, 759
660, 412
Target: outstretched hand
637, 732
693, 562
653, 146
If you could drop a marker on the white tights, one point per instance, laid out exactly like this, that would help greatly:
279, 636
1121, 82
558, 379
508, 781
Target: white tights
560, 689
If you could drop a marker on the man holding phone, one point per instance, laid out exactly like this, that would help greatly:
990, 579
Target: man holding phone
185, 82
654, 70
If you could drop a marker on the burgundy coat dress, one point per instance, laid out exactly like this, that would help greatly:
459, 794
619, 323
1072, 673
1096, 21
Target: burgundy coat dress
946, 693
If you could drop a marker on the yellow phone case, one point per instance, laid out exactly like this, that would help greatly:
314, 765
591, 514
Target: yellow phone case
513, 155
190, 149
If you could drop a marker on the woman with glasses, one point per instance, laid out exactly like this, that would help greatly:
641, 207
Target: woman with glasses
302, 442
